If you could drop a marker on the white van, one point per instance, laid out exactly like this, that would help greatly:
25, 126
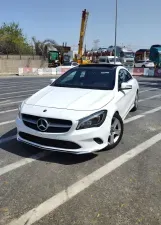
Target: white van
109, 60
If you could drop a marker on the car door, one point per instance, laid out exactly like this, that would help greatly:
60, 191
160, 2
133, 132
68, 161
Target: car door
125, 98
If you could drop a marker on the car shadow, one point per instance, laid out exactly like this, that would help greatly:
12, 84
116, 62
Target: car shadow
25, 151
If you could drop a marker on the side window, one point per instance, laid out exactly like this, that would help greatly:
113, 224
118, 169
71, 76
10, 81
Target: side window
124, 76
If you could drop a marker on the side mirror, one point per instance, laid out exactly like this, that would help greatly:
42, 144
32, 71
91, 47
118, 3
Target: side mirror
52, 80
125, 86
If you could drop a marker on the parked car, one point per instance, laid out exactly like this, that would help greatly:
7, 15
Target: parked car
144, 63
101, 50
70, 64
108, 59
80, 112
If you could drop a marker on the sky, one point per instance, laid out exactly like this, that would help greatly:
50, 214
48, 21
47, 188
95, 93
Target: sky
139, 21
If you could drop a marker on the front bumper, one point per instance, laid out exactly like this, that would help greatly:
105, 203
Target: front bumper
83, 138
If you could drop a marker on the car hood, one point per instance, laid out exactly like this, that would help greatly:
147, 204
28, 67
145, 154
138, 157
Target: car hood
70, 98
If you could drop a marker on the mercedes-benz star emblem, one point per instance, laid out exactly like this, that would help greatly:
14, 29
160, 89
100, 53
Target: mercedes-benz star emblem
42, 124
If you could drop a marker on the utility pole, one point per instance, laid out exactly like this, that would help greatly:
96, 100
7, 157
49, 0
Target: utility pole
115, 30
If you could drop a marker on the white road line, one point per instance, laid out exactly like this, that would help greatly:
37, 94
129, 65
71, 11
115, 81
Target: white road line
152, 89
59, 199
22, 162
153, 110
17, 92
133, 118
142, 115
7, 139
7, 122
154, 96
7, 111
10, 103
24, 83
19, 96
5, 101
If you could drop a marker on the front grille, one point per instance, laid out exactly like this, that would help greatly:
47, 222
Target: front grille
55, 125
49, 142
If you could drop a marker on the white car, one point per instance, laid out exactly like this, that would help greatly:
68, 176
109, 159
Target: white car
70, 64
100, 50
108, 59
80, 112
144, 63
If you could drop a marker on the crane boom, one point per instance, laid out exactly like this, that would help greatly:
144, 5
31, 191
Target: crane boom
84, 21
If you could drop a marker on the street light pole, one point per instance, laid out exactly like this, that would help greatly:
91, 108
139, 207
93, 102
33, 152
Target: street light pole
115, 31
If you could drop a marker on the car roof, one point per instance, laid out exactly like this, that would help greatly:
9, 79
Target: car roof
96, 65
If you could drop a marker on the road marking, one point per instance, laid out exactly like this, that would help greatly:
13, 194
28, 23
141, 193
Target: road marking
59, 199
142, 115
153, 110
5, 101
24, 83
7, 139
133, 118
19, 96
154, 96
17, 92
7, 122
23, 162
7, 111
152, 89
10, 103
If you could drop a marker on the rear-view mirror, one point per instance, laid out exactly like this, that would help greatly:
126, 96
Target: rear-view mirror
125, 86
52, 80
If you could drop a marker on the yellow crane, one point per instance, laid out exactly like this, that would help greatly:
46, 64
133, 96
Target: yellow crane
84, 21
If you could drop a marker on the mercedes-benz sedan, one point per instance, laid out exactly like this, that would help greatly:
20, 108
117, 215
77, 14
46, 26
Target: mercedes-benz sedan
80, 112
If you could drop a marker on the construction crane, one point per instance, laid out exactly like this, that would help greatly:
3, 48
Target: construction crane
84, 21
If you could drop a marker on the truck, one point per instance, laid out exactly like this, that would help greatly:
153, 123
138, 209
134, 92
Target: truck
126, 55
155, 55
53, 58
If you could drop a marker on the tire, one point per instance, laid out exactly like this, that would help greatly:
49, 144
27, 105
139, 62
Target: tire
119, 127
135, 103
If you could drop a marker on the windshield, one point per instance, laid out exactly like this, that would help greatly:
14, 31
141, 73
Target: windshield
67, 64
128, 55
113, 60
88, 78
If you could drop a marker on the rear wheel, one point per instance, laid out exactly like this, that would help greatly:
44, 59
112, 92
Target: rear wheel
116, 131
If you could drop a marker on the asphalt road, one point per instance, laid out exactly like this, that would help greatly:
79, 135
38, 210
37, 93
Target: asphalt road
117, 187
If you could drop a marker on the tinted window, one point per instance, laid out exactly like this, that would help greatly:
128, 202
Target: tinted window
124, 76
66, 64
102, 60
89, 78
113, 60
74, 64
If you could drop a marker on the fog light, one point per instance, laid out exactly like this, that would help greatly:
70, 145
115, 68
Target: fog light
98, 140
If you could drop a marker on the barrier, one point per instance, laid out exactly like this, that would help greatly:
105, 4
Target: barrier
62, 69
43, 71
148, 72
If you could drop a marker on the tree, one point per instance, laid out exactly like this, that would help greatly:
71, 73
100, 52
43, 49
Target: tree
41, 48
12, 40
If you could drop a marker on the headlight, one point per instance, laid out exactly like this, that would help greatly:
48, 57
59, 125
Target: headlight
94, 120
19, 109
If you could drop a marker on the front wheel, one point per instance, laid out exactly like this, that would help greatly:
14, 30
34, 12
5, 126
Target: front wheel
116, 132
